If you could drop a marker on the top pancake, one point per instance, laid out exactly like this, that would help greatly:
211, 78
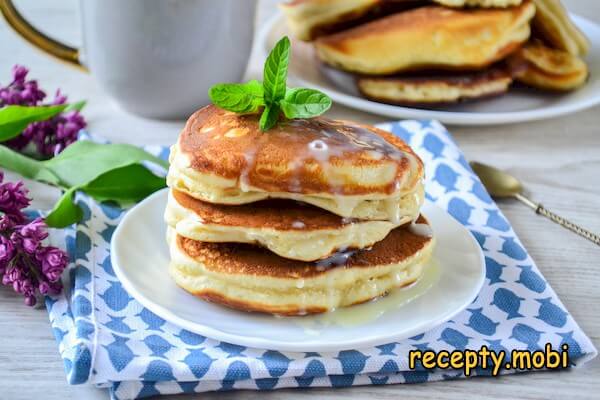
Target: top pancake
429, 37
309, 19
480, 3
223, 157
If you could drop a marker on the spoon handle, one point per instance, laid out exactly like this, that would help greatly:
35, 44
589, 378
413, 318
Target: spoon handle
567, 224
540, 209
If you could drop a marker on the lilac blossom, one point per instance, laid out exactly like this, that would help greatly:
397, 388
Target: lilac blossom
20, 91
26, 263
47, 137
13, 198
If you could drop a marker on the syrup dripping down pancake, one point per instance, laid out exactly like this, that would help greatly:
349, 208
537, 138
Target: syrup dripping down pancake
288, 228
350, 169
251, 278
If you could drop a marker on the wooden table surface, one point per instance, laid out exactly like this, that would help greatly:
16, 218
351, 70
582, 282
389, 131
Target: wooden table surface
559, 161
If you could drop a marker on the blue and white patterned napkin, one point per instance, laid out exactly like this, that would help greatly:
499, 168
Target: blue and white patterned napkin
108, 339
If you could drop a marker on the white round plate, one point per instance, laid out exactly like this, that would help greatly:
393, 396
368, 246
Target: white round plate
140, 258
518, 105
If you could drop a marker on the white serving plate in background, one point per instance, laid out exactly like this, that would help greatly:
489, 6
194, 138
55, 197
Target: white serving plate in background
518, 105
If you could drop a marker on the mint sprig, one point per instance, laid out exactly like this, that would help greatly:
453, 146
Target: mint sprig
304, 103
272, 95
240, 98
275, 72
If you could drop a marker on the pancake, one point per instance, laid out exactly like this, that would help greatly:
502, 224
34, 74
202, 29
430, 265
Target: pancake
428, 38
480, 3
309, 19
435, 88
555, 27
251, 278
306, 18
349, 169
549, 69
288, 228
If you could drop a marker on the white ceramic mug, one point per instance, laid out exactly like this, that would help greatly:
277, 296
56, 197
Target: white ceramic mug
156, 58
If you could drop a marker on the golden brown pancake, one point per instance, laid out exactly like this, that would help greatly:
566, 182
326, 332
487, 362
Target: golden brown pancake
250, 278
549, 69
554, 26
480, 3
310, 19
428, 38
288, 228
350, 169
435, 88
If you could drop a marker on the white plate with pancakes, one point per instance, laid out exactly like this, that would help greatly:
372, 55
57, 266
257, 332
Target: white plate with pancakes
517, 105
449, 283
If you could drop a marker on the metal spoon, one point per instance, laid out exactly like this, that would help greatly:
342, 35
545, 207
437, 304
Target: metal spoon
500, 184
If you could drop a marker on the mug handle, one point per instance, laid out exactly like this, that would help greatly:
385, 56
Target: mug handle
61, 51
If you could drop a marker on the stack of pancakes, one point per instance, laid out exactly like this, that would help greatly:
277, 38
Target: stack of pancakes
421, 52
309, 216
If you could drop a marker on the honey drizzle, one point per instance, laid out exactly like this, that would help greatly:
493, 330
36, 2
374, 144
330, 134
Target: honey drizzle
371, 311
335, 139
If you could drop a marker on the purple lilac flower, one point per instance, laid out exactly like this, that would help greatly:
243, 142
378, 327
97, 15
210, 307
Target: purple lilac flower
5, 223
53, 262
26, 264
29, 237
7, 251
53, 136
21, 91
49, 137
13, 198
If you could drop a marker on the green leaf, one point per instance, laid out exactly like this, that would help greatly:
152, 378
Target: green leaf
28, 167
128, 184
238, 97
124, 185
269, 117
76, 106
65, 212
13, 119
84, 161
275, 72
304, 103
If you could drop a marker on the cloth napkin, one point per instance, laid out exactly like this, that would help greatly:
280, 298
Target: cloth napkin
108, 339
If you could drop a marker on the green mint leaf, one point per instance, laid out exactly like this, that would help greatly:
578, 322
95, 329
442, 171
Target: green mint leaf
304, 103
124, 185
275, 72
273, 95
65, 212
238, 97
13, 119
28, 167
269, 117
84, 161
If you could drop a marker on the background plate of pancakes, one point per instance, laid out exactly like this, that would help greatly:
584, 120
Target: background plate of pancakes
450, 282
419, 59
